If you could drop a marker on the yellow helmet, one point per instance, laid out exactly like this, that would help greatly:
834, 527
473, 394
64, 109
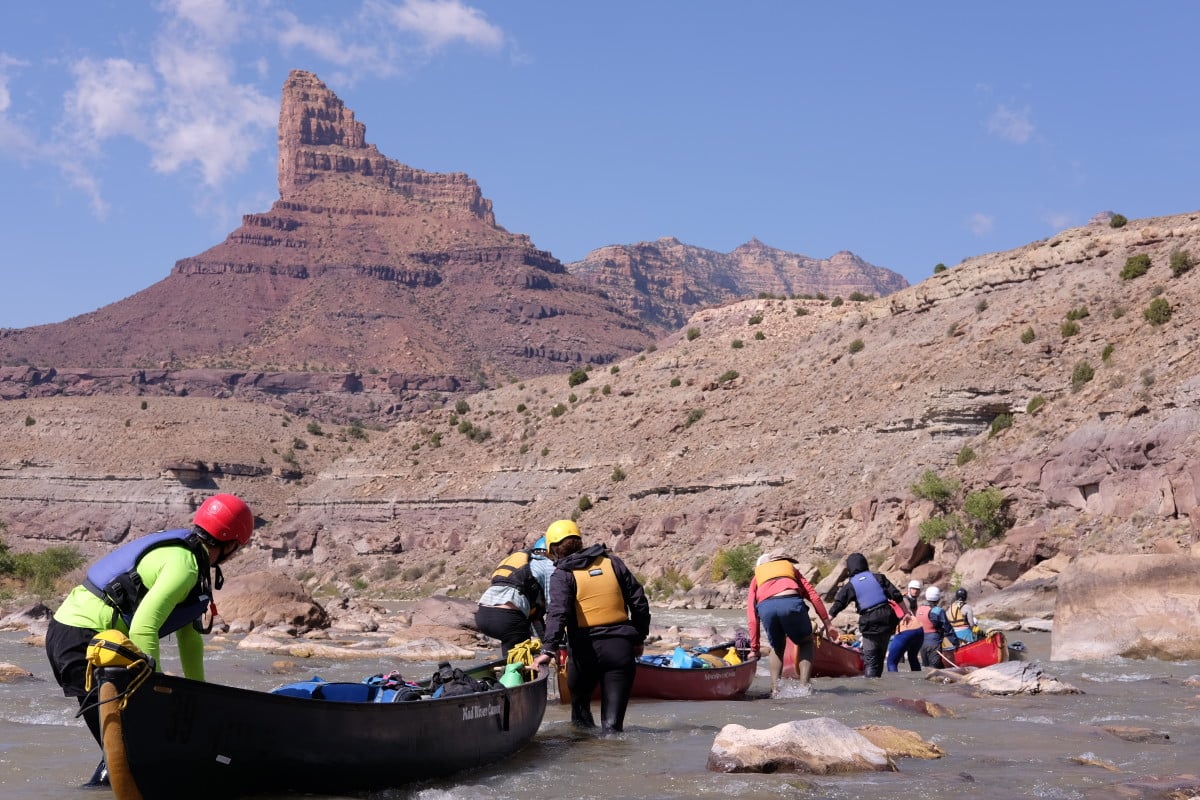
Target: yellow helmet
560, 530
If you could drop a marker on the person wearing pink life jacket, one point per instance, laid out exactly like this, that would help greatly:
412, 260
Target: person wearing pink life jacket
936, 627
151, 587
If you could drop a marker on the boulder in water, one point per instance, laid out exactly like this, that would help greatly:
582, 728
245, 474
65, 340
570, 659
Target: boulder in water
1017, 677
819, 746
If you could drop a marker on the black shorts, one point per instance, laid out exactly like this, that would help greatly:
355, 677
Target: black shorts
66, 647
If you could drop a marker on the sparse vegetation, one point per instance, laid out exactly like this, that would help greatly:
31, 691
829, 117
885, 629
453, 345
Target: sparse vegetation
462, 407
694, 416
1158, 312
1035, 404
837, 301
1135, 267
985, 520
1068, 328
675, 382
754, 320
1001, 422
737, 344
693, 333
858, 297
1106, 353
981, 306
38, 572
935, 488
1181, 262
618, 474
1077, 313
1117, 221
614, 369
759, 336
671, 581
585, 503
801, 311
1027, 336
558, 410
30, 421
727, 376
1082, 374
736, 564
857, 346
938, 268
965, 455
577, 377
314, 429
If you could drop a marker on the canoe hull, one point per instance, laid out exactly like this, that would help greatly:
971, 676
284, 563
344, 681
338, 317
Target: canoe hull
830, 659
673, 683
669, 683
186, 738
992, 649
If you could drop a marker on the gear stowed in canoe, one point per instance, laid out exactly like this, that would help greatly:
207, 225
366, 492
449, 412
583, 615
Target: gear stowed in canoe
702, 673
171, 738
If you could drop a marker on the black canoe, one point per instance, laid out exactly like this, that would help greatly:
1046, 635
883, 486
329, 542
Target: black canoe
177, 738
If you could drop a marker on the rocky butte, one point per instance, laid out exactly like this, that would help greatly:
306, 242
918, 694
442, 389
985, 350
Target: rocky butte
369, 290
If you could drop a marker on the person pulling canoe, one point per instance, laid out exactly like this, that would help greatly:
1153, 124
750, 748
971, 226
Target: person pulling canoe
149, 588
776, 601
870, 592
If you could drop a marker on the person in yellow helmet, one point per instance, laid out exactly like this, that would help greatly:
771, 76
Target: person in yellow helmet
599, 610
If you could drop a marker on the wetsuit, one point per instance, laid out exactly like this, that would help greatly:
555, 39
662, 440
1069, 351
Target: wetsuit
600, 611
172, 575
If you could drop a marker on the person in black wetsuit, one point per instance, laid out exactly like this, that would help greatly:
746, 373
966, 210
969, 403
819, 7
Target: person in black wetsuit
870, 592
600, 611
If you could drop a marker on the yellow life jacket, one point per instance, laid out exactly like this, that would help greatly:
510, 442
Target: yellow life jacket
955, 614
598, 597
774, 569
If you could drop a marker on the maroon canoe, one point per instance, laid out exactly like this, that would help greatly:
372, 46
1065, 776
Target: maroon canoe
675, 683
992, 649
830, 659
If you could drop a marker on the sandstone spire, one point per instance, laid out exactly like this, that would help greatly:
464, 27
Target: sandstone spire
319, 137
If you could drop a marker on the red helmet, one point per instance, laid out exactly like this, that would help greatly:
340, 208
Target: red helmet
225, 518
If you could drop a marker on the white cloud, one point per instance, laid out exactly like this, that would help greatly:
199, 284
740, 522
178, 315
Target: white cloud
109, 97
439, 22
981, 224
216, 20
1011, 124
1058, 220
331, 46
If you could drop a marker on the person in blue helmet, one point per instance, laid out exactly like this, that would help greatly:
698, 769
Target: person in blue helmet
517, 598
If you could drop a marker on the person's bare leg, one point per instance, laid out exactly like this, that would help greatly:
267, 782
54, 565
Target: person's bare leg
775, 664
804, 660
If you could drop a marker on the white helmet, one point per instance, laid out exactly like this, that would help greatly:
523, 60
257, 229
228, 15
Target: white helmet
933, 594
914, 584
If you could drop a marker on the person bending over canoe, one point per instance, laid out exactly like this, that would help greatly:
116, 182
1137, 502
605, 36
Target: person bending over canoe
153, 586
870, 592
600, 610
776, 599
517, 598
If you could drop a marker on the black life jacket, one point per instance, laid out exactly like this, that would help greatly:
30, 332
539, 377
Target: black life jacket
115, 579
514, 571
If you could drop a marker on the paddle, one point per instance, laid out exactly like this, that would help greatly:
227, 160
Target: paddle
947, 659
701, 650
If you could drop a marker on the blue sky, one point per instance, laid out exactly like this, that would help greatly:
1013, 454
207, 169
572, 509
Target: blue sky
134, 134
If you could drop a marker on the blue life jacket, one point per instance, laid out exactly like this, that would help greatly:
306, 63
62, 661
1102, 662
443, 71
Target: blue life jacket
867, 591
115, 579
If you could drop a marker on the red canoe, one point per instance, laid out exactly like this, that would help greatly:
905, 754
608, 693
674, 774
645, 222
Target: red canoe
830, 659
992, 649
674, 683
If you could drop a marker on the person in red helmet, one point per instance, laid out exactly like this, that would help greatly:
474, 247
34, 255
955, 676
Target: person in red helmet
148, 588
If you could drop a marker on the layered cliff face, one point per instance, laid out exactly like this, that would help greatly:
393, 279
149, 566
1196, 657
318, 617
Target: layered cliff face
666, 281
364, 265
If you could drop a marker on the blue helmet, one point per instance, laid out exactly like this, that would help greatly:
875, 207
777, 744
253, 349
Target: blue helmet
540, 545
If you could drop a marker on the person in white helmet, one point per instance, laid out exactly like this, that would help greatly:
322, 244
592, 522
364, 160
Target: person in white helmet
909, 638
936, 627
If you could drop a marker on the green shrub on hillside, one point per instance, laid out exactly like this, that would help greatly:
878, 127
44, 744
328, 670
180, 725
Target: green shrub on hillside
1001, 422
857, 346
1077, 313
1117, 221
837, 301
939, 267
693, 333
985, 518
1035, 404
933, 487
1135, 267
859, 297
1181, 262
736, 564
1028, 335
577, 377
1082, 374
1068, 328
965, 455
1158, 312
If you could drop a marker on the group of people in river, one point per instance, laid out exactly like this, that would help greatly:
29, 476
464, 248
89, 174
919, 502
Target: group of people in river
584, 603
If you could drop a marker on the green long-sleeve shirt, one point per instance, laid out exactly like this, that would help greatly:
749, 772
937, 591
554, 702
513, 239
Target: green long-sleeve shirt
169, 574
